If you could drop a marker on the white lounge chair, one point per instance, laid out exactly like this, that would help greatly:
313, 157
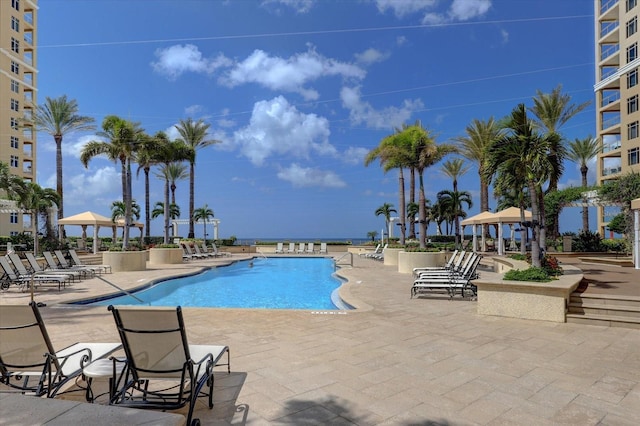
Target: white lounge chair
214, 249
22, 270
367, 253
323, 248
310, 249
292, 248
30, 364
24, 280
191, 253
157, 350
279, 248
448, 283
37, 268
77, 262
453, 260
301, 248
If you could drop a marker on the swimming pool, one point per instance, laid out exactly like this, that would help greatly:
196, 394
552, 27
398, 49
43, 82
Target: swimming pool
267, 283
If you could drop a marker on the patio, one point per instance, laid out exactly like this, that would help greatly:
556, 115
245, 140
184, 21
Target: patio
396, 361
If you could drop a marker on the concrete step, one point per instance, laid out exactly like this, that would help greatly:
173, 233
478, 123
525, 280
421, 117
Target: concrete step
604, 310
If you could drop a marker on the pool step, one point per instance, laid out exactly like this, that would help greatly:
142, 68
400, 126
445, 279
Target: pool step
604, 310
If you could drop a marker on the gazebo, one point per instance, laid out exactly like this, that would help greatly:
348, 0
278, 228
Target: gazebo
478, 220
508, 216
96, 220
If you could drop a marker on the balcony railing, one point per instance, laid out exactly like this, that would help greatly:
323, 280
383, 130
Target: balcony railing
610, 98
606, 5
611, 170
609, 122
608, 50
607, 27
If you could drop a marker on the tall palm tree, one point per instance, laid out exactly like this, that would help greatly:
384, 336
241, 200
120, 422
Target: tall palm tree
412, 211
145, 157
158, 210
176, 172
479, 135
194, 134
394, 152
167, 153
552, 111
452, 202
203, 213
59, 117
385, 210
526, 152
454, 169
122, 141
11, 184
38, 201
424, 153
372, 235
581, 151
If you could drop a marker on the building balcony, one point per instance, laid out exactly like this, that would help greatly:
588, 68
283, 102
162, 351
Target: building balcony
611, 125
610, 101
608, 171
609, 32
610, 55
609, 9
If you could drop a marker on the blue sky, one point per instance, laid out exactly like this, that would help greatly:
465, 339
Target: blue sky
298, 91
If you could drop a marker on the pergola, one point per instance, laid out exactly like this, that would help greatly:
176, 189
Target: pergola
96, 220
509, 216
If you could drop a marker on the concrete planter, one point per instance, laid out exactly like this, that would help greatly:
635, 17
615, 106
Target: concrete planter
409, 260
391, 256
165, 256
121, 261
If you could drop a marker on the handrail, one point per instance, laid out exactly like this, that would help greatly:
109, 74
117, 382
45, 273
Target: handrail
335, 262
261, 253
120, 289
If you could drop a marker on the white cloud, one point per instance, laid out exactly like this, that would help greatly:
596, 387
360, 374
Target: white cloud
401, 40
278, 128
306, 176
101, 187
463, 10
193, 110
363, 112
404, 7
289, 74
371, 56
73, 148
505, 36
354, 155
179, 59
300, 6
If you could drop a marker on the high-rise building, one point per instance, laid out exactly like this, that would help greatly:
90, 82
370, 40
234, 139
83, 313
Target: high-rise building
18, 93
617, 89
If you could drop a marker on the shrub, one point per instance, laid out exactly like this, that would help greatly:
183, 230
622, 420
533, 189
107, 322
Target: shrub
532, 274
588, 242
518, 256
167, 246
617, 245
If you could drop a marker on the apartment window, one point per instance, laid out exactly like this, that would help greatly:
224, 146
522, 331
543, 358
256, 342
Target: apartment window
15, 86
632, 26
15, 24
631, 4
14, 123
13, 218
633, 156
15, 45
632, 78
632, 130
15, 142
15, 4
14, 160
15, 105
632, 52
632, 104
15, 67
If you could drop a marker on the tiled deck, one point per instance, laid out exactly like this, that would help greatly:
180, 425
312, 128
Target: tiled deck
400, 361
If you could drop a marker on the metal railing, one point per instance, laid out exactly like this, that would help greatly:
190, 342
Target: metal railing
335, 262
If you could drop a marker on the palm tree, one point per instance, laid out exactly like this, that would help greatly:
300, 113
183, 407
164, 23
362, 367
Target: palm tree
581, 151
167, 153
118, 210
174, 212
451, 202
11, 184
194, 134
38, 201
479, 135
123, 139
59, 117
412, 211
525, 152
385, 210
454, 169
145, 157
552, 111
203, 213
424, 153
372, 235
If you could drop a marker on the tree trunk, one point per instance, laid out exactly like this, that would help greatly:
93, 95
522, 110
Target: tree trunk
422, 212
412, 198
484, 193
147, 207
127, 208
403, 207
192, 177
58, 140
585, 208
166, 211
173, 193
535, 215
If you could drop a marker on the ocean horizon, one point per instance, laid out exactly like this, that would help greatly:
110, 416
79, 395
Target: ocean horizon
249, 241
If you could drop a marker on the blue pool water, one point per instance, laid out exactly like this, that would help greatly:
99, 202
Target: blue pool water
273, 283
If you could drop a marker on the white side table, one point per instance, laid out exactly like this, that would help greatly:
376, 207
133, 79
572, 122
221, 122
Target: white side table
106, 367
